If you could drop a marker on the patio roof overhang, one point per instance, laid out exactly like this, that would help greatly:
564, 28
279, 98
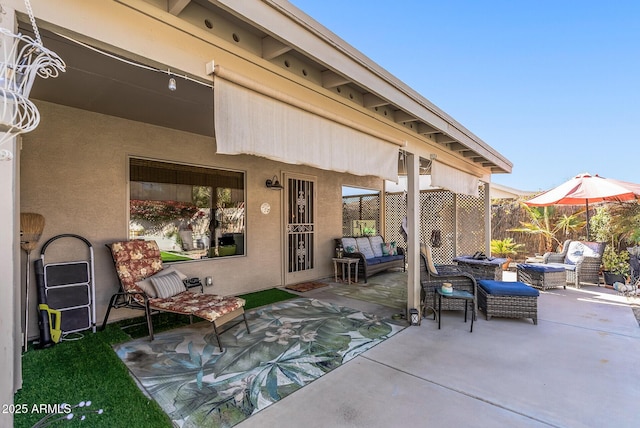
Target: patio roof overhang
278, 33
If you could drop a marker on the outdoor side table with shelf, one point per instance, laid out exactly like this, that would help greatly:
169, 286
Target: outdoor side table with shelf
456, 294
345, 261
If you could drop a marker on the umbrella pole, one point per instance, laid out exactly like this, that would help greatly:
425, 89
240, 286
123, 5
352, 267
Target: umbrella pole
587, 219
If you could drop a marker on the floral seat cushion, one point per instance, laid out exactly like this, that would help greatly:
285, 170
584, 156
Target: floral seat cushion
135, 261
206, 306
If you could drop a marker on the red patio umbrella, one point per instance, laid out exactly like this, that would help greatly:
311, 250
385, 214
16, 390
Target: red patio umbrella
585, 189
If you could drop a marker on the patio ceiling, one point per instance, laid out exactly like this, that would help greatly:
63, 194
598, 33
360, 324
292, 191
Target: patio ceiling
102, 84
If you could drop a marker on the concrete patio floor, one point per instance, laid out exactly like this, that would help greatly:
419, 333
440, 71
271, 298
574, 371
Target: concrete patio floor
577, 368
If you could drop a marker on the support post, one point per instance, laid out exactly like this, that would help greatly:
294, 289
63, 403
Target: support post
413, 235
487, 218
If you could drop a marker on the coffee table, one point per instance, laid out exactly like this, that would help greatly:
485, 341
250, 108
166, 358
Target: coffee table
481, 269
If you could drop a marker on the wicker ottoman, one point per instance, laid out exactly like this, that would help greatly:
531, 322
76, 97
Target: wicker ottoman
507, 299
542, 276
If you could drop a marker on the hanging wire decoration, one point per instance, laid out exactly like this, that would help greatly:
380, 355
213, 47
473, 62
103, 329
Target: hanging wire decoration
23, 58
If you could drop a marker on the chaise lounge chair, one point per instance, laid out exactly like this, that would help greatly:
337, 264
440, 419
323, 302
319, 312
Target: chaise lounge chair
146, 285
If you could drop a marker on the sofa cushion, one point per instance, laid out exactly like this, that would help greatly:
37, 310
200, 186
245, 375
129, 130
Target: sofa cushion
578, 249
387, 259
373, 261
504, 288
562, 265
349, 245
364, 246
376, 245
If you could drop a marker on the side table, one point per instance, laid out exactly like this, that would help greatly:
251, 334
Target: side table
345, 261
457, 294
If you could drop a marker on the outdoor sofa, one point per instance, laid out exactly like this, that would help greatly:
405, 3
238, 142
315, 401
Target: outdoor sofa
581, 261
374, 254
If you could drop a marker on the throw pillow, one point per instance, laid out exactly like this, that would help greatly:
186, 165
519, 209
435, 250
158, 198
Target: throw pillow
579, 249
350, 249
575, 252
389, 249
167, 285
147, 286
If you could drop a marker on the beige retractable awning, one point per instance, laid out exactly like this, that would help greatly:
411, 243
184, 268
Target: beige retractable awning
253, 119
453, 179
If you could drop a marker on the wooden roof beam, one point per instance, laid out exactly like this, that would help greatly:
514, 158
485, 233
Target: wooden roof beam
458, 147
174, 7
272, 48
332, 80
444, 139
425, 129
371, 101
471, 155
403, 117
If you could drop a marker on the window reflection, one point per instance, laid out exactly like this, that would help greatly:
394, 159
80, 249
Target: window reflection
192, 212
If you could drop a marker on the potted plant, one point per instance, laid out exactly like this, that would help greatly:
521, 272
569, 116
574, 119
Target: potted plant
505, 248
615, 265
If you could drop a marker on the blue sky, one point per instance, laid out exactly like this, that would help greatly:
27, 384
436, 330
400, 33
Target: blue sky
554, 86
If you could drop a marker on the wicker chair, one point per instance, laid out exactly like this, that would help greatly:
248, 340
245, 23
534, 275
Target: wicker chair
581, 261
145, 285
431, 278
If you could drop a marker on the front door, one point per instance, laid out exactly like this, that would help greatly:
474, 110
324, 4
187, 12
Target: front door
300, 228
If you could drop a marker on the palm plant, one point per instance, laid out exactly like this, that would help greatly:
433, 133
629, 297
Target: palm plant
543, 223
625, 221
540, 225
506, 247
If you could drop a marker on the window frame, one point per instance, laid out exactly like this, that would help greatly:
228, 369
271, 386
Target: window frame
244, 189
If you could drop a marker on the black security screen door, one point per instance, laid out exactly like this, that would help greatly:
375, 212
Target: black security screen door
300, 225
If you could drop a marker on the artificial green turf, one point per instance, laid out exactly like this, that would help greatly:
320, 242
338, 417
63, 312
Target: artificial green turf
89, 370
86, 370
265, 297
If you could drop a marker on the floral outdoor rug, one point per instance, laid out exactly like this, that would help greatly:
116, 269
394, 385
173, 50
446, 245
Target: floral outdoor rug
387, 289
291, 344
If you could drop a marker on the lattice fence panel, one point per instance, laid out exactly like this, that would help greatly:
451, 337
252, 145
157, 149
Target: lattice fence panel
360, 215
471, 225
437, 220
395, 211
437, 216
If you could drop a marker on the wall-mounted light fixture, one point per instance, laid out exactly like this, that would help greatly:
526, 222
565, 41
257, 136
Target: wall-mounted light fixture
274, 184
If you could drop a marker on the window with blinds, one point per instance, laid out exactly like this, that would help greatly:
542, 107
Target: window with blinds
192, 212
